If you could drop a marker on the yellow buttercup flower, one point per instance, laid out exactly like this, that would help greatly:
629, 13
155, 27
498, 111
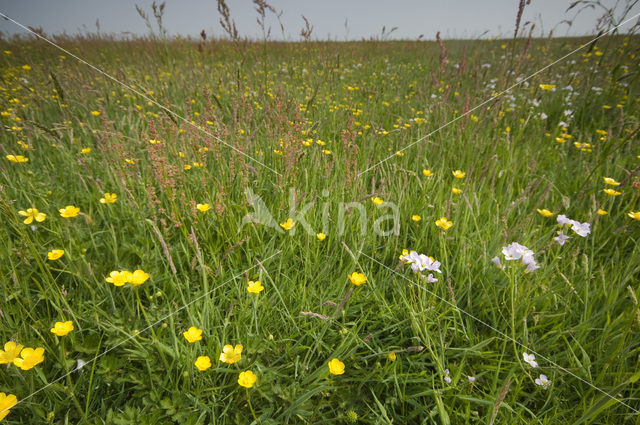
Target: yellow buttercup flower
6, 403
247, 379
634, 215
377, 200
29, 357
203, 363
547, 87
545, 212
456, 191
602, 212
231, 354
427, 173
54, 254
288, 225
321, 236
11, 351
62, 328
69, 211
443, 223
254, 287
193, 334
612, 192
109, 198
357, 278
138, 277
85, 151
95, 113
392, 356
203, 207
32, 214
610, 181
336, 367
17, 158
459, 174
416, 218
118, 278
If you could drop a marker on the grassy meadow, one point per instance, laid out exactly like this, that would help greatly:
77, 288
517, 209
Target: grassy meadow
316, 132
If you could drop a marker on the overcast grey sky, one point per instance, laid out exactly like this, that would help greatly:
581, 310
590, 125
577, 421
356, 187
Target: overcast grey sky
335, 19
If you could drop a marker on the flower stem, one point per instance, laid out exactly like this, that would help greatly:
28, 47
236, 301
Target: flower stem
251, 407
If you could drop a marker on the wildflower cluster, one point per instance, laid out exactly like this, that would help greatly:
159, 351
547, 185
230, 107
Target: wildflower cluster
541, 381
420, 263
229, 354
581, 229
515, 251
23, 357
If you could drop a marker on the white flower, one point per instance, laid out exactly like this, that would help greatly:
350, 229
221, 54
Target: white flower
515, 251
563, 219
563, 124
496, 261
408, 258
431, 279
561, 238
431, 264
447, 379
582, 229
543, 381
543, 115
530, 358
412, 257
472, 379
530, 262
531, 267
527, 258
81, 364
419, 262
